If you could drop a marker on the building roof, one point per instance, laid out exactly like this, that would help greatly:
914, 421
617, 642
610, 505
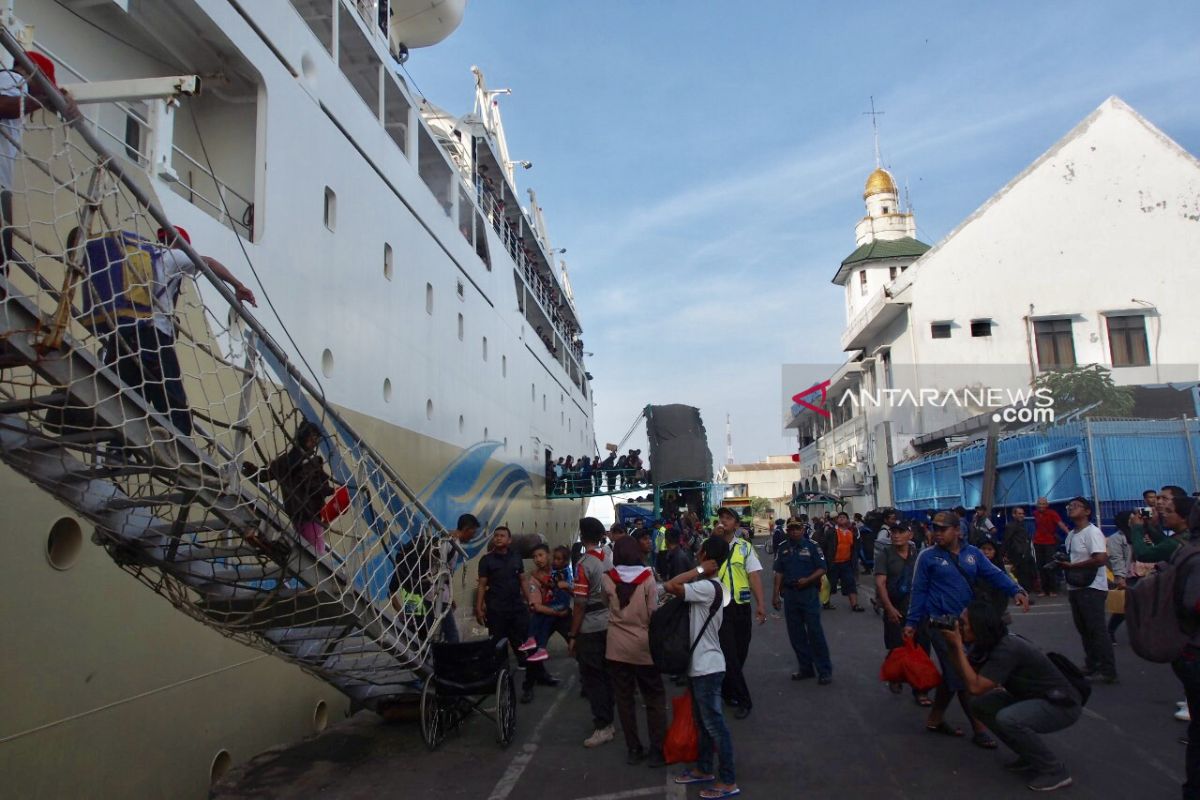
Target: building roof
906, 247
757, 467
879, 182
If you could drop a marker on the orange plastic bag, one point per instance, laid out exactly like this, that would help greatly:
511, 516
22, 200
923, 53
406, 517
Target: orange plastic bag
910, 664
682, 744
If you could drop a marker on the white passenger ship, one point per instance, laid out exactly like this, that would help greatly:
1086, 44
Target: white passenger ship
403, 266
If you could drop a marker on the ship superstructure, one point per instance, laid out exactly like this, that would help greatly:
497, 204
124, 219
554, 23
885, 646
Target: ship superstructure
404, 278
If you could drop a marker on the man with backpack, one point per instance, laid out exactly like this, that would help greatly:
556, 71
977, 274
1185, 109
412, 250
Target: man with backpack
1018, 691
133, 288
706, 669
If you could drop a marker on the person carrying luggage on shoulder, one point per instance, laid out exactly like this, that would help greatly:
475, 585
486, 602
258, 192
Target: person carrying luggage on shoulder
303, 482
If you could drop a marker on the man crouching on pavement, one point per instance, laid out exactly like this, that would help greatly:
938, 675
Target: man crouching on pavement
1016, 691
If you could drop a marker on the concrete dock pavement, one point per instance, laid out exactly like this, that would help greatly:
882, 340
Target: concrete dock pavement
852, 738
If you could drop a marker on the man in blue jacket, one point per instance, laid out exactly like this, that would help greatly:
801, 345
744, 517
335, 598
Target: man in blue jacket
943, 585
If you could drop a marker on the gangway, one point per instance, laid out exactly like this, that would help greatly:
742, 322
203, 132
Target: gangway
358, 609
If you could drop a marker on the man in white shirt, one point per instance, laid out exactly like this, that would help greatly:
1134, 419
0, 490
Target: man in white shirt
707, 669
1087, 551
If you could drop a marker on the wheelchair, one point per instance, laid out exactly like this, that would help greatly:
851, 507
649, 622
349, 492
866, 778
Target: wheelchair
464, 676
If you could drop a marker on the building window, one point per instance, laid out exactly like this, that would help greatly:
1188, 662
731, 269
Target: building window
892, 272
1127, 341
981, 327
429, 298
1055, 345
862, 281
939, 330
330, 209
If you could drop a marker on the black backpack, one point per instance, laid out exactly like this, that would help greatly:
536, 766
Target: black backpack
1074, 677
671, 644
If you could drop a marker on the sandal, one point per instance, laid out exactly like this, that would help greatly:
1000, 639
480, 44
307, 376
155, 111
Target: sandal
984, 740
717, 794
944, 729
923, 700
688, 776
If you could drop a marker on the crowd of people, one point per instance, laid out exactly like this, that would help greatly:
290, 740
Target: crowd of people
591, 475
946, 585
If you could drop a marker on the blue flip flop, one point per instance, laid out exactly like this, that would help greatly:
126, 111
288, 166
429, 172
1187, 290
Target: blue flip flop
687, 776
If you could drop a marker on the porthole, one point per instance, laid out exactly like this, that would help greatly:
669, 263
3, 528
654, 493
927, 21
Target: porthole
387, 261
221, 763
428, 409
387, 390
64, 543
320, 717
327, 362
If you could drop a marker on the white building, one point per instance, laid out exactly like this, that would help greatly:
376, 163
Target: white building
1087, 257
772, 479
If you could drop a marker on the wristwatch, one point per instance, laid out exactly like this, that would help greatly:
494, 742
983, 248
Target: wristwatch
699, 569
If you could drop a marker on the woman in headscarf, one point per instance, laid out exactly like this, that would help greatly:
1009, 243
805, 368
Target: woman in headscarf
632, 597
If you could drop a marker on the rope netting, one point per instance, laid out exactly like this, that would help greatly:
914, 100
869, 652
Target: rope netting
137, 390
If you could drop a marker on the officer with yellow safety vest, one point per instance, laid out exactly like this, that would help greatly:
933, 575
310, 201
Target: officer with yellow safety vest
741, 579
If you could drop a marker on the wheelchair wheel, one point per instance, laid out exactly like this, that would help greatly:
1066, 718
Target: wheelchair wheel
506, 708
434, 719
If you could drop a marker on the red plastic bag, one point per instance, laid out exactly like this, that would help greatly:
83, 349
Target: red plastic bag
682, 744
336, 505
910, 664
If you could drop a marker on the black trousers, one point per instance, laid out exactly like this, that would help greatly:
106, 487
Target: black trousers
1048, 569
644, 678
514, 626
737, 627
146, 361
1087, 611
593, 674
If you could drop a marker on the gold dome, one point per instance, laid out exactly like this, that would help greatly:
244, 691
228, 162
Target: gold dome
879, 182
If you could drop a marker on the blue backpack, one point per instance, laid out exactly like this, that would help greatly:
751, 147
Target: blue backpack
120, 276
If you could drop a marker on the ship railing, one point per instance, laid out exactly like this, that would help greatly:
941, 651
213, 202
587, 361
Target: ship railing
182, 445
574, 484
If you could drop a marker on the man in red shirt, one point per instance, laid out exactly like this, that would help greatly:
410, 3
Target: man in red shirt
1046, 526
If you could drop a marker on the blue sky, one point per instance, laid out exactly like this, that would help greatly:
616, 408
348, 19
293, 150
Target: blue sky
703, 162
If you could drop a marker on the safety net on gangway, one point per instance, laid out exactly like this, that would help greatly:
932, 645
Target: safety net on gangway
212, 468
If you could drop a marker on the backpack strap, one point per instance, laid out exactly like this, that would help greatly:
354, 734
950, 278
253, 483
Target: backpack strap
712, 612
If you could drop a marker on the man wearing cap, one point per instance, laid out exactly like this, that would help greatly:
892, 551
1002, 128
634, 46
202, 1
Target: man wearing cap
799, 566
741, 579
944, 581
19, 97
155, 370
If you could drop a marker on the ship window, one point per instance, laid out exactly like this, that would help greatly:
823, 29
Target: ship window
506, 443
462, 423
460, 327
485, 348
568, 426
485, 434
522, 449
330, 209
387, 390
320, 719
532, 393
387, 261
428, 409
543, 402
221, 763
395, 113
503, 366
357, 60
462, 291
562, 418
64, 543
327, 363
429, 298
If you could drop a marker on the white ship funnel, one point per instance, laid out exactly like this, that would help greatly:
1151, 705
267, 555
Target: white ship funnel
421, 23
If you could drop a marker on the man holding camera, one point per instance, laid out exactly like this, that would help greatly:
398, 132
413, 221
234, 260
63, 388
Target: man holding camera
1087, 589
1017, 691
943, 585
